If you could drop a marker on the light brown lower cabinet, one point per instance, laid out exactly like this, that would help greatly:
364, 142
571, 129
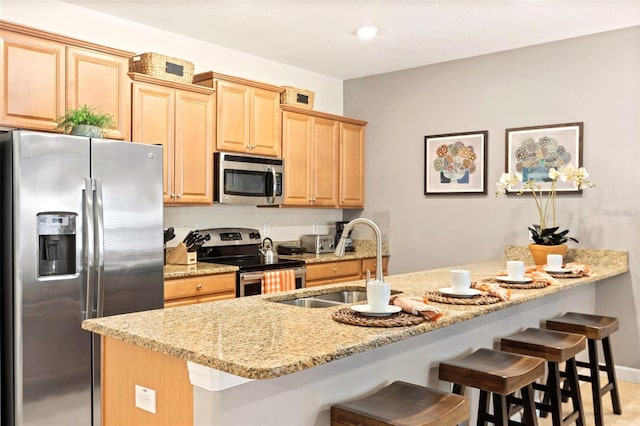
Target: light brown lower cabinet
342, 271
199, 289
370, 264
124, 366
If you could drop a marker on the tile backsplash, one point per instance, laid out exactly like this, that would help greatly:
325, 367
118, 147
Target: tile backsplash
281, 224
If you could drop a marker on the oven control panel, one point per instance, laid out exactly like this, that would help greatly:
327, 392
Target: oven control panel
231, 236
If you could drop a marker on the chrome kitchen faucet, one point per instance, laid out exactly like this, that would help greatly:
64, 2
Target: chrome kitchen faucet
339, 251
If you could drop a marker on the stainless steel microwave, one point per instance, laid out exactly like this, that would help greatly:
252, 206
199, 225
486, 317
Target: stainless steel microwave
247, 179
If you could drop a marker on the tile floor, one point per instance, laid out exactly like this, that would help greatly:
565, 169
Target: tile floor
629, 399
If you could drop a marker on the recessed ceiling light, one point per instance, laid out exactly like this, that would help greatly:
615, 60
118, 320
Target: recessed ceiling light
367, 32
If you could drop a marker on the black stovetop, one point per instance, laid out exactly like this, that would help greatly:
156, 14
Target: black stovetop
245, 257
254, 263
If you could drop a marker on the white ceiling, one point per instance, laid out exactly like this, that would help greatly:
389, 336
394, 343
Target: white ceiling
317, 35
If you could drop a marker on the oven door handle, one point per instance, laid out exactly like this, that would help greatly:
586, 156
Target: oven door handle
251, 277
259, 275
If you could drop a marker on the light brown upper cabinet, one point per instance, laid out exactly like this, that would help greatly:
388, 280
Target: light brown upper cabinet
181, 118
101, 80
310, 152
45, 74
351, 165
248, 118
323, 158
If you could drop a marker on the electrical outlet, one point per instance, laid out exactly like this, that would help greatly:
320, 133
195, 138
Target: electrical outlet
266, 229
146, 399
314, 228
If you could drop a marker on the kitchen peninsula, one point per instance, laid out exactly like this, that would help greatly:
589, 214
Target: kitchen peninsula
251, 361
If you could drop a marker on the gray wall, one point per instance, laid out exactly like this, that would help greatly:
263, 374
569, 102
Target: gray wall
593, 79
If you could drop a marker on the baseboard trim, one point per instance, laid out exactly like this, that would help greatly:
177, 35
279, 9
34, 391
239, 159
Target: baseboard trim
627, 374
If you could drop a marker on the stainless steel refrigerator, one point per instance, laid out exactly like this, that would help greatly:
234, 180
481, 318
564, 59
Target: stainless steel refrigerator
81, 237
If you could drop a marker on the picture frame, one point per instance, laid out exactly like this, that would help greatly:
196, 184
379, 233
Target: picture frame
532, 151
456, 163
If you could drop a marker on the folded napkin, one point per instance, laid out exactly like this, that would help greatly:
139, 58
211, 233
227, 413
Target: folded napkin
279, 280
579, 269
536, 273
539, 274
492, 289
415, 305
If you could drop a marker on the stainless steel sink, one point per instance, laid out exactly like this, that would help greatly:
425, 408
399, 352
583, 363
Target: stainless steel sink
344, 296
327, 300
308, 302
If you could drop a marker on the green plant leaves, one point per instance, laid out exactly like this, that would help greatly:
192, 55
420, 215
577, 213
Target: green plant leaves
549, 236
84, 115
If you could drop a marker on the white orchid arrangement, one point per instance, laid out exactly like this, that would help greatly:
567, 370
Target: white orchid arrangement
541, 233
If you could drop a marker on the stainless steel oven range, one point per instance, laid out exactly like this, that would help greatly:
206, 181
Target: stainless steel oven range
239, 247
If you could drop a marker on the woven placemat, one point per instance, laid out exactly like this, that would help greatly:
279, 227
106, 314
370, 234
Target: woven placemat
525, 286
522, 286
436, 296
400, 319
568, 275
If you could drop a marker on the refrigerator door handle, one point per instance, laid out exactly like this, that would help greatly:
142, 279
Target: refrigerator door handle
99, 233
88, 245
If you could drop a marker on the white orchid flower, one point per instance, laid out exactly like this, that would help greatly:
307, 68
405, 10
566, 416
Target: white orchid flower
544, 193
554, 174
581, 174
505, 179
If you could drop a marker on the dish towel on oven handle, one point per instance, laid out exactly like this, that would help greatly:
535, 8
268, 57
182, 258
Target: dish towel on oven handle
278, 280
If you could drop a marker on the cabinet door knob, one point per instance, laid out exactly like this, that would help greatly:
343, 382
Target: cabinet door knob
199, 287
335, 269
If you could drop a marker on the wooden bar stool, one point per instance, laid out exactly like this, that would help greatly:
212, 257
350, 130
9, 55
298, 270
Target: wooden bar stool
402, 404
594, 328
500, 374
556, 347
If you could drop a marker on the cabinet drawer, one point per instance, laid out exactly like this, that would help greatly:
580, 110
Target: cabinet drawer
370, 264
330, 270
199, 286
193, 300
216, 297
333, 280
180, 302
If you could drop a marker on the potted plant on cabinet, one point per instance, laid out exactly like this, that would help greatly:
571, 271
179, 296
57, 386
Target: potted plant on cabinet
85, 121
546, 239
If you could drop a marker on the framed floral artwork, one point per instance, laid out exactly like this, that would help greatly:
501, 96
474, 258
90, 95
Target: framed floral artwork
531, 152
456, 163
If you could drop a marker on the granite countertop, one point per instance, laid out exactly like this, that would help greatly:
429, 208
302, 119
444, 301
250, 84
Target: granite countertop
330, 257
201, 268
255, 338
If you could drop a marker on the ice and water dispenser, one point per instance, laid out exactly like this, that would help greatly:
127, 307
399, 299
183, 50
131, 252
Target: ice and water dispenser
57, 244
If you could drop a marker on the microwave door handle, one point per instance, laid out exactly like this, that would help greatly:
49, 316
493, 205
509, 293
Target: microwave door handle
274, 184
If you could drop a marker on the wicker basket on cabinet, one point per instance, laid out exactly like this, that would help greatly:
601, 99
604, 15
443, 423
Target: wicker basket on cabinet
161, 66
299, 98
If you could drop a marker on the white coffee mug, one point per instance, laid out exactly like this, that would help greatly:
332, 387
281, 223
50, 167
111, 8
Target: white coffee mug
515, 269
460, 280
378, 295
554, 261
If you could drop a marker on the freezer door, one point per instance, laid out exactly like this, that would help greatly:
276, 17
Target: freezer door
51, 352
